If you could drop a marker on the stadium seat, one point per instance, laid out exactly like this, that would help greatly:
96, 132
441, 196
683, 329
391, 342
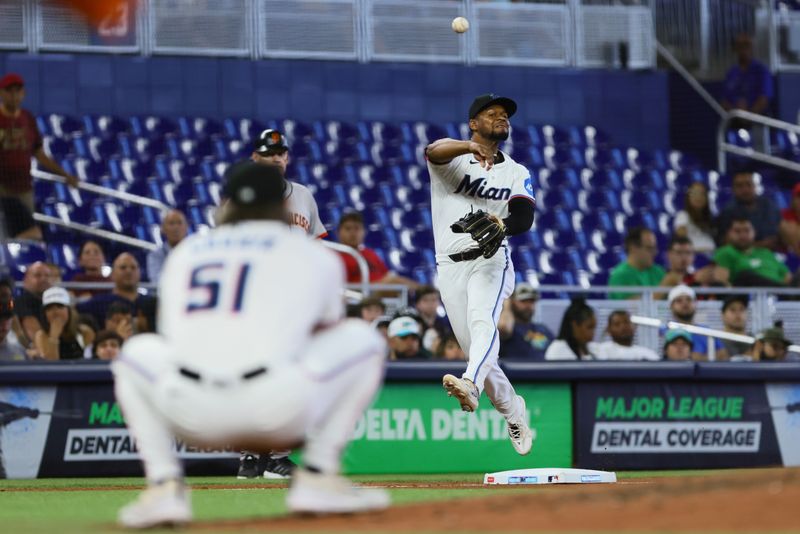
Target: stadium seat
601, 178
556, 137
20, 254
559, 179
601, 158
63, 126
149, 127
600, 219
199, 127
641, 199
104, 125
336, 131
599, 199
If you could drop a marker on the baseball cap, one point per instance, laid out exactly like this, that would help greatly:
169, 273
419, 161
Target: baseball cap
525, 291
489, 99
774, 334
248, 184
730, 299
679, 291
270, 139
404, 326
677, 333
10, 80
55, 295
6, 308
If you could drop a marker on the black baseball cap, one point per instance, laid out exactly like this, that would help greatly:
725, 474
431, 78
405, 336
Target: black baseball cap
270, 140
730, 299
249, 184
489, 99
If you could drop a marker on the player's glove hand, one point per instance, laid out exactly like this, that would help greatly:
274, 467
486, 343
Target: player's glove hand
486, 229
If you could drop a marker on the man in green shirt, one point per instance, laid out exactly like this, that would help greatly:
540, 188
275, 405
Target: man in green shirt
639, 268
749, 265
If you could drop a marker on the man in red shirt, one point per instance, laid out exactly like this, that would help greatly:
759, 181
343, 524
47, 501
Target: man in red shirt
19, 141
790, 222
351, 232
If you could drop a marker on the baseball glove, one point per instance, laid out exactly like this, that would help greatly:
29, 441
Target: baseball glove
486, 229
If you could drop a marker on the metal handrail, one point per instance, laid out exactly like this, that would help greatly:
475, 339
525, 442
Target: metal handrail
100, 190
362, 263
686, 75
105, 234
723, 146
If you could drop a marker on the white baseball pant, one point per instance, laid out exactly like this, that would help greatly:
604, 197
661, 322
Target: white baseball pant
316, 399
473, 293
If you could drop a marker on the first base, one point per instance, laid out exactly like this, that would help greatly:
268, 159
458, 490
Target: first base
550, 475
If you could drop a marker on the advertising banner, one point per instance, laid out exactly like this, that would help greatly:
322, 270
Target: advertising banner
784, 405
415, 428
674, 426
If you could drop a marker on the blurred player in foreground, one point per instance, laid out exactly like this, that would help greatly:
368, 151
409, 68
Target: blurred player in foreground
475, 270
252, 352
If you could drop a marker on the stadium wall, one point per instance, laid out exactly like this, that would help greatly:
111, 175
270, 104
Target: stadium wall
632, 106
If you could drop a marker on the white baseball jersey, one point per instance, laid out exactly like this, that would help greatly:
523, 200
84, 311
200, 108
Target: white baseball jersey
247, 295
303, 212
461, 185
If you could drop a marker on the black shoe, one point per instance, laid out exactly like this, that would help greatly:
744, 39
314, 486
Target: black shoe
248, 466
278, 468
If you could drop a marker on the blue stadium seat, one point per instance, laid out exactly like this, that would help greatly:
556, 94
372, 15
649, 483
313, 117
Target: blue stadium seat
553, 219
64, 255
599, 199
197, 127
559, 179
427, 133
381, 132
337, 131
63, 126
601, 179
600, 219
641, 199
683, 180
599, 262
524, 259
520, 137
56, 147
603, 240
601, 158
559, 198
556, 137
20, 254
296, 130
383, 154
652, 179
105, 125
596, 137
346, 153
149, 126
785, 143
559, 158
641, 160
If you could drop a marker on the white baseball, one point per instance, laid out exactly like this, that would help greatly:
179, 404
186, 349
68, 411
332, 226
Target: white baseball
459, 24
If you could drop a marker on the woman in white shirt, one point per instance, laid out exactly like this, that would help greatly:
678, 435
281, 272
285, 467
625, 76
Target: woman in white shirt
575, 335
695, 220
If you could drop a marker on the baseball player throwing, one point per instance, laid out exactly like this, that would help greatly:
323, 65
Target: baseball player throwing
479, 195
252, 352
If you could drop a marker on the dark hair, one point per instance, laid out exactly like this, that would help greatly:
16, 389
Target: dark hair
371, 301
678, 240
616, 313
351, 216
730, 299
90, 242
118, 306
702, 217
634, 237
577, 312
423, 291
738, 218
103, 336
70, 331
443, 342
8, 282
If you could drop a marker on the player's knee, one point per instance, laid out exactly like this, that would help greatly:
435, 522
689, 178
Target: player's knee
366, 338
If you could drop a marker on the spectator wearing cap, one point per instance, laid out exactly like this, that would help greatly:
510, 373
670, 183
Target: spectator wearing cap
92, 263
29, 303
61, 336
371, 308
106, 345
678, 345
790, 223
10, 349
682, 302
434, 326
174, 228
405, 341
520, 337
771, 345
620, 346
734, 321
750, 265
746, 203
126, 275
351, 232
271, 149
19, 141
639, 268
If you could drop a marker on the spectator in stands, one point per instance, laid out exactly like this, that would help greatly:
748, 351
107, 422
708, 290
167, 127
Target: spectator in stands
174, 229
106, 345
405, 342
639, 269
61, 337
748, 83
519, 336
678, 345
761, 212
620, 346
92, 262
695, 220
19, 141
16, 334
574, 341
371, 308
790, 223
680, 267
682, 302
126, 275
119, 319
771, 345
449, 349
734, 321
29, 303
10, 349
749, 264
351, 232
434, 326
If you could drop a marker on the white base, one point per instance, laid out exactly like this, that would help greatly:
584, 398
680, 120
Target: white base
550, 475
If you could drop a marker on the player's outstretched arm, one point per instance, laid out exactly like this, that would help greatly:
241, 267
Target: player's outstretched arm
444, 150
